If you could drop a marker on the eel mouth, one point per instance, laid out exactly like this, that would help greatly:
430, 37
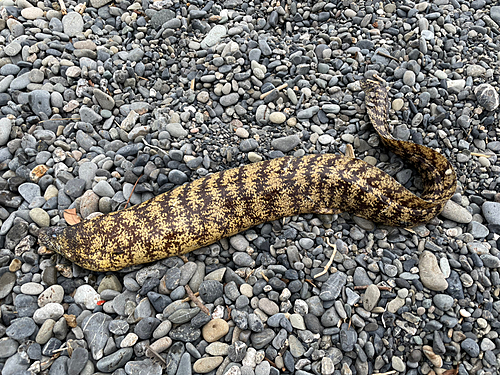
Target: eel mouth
48, 237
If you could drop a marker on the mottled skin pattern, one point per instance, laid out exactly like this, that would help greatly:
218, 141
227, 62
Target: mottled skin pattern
225, 203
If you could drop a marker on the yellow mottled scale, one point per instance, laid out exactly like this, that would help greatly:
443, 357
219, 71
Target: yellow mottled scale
225, 203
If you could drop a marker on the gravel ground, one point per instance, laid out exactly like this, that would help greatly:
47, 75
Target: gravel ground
97, 96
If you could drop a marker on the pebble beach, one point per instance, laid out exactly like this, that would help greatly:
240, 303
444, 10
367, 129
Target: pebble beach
108, 103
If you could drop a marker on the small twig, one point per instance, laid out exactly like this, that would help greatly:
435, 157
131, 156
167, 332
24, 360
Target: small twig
386, 55
271, 362
228, 314
381, 287
192, 84
479, 155
264, 276
143, 78
196, 301
189, 298
60, 119
132, 192
386, 373
155, 147
277, 89
64, 11
250, 274
310, 282
334, 246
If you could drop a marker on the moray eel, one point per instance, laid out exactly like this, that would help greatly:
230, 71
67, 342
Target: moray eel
225, 203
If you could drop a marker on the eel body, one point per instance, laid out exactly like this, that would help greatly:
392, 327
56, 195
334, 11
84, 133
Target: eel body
225, 203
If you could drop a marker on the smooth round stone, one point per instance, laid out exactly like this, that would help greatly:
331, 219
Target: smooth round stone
53, 294
230, 99
215, 329
110, 282
371, 297
12, 49
5, 128
397, 104
325, 139
277, 117
430, 274
217, 348
205, 365
72, 24
453, 211
129, 340
162, 344
8, 347
203, 97
21, 328
73, 71
7, 281
32, 289
491, 212
268, 306
297, 321
50, 311
443, 302
253, 157
32, 13
398, 364
470, 347
45, 332
40, 217
487, 96
409, 78
87, 296
242, 133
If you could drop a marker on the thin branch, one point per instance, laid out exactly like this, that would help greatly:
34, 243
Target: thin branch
334, 246
310, 282
64, 11
189, 298
277, 89
196, 301
386, 55
479, 155
132, 192
381, 287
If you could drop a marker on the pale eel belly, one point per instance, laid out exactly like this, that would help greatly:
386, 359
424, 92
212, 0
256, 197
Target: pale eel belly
225, 203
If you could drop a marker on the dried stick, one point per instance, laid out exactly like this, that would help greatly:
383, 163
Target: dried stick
132, 192
310, 282
334, 246
196, 301
479, 155
277, 89
264, 276
64, 11
386, 55
381, 287
189, 298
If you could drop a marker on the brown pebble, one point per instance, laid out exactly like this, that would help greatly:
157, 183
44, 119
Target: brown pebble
215, 329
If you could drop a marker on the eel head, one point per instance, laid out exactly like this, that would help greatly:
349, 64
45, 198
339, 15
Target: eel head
51, 237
